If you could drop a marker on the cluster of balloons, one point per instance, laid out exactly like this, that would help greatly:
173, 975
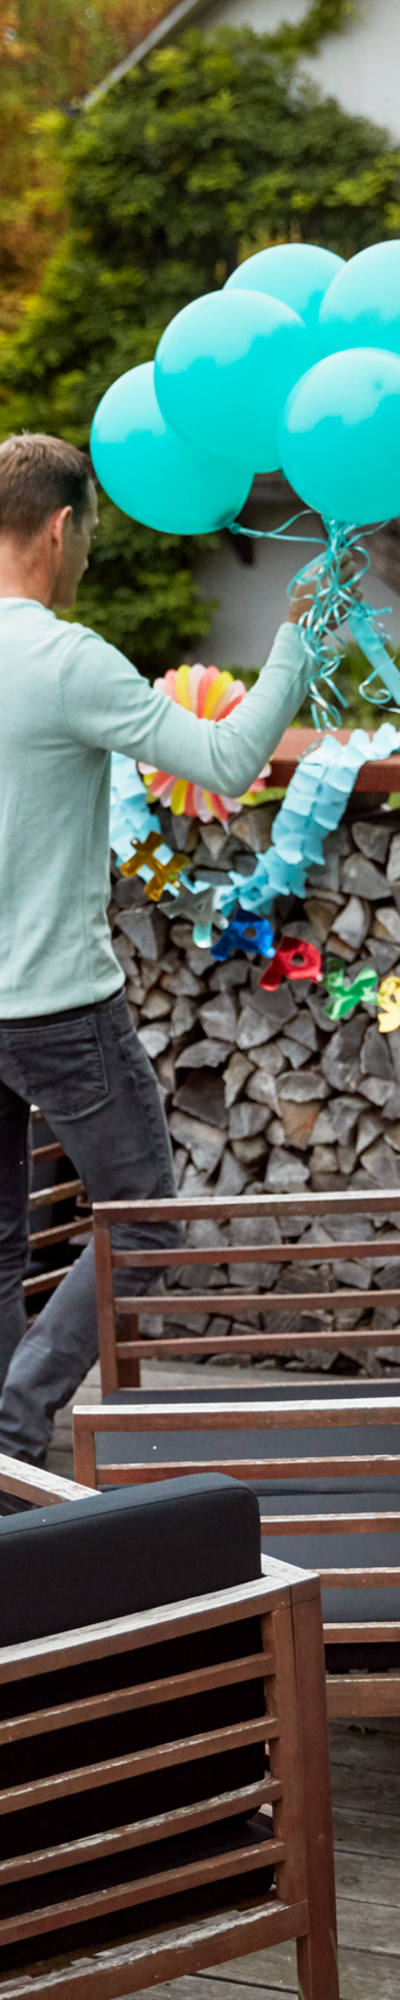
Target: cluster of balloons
294, 365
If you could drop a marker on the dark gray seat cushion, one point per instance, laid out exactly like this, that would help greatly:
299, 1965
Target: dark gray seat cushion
124, 1551
362, 1493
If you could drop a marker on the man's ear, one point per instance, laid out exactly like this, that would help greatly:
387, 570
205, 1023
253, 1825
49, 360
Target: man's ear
59, 526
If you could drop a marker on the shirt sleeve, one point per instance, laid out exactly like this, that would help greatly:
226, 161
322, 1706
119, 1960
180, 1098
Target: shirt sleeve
108, 705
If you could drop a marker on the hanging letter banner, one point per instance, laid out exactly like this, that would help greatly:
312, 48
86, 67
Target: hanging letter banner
294, 959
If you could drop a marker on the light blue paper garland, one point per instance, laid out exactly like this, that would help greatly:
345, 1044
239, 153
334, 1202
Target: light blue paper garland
314, 805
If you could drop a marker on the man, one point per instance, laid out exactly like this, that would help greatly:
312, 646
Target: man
66, 1039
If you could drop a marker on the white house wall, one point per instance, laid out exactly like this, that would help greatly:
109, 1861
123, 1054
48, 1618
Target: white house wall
360, 66
253, 601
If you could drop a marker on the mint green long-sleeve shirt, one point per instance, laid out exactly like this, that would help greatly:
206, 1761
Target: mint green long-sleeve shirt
67, 700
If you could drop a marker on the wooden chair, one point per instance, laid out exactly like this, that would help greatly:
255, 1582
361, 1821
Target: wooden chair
323, 1455
53, 1205
142, 1834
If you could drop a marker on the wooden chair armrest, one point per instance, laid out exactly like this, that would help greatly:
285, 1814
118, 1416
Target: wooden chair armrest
40, 1488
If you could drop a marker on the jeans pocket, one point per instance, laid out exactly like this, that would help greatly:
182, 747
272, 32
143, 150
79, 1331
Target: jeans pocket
60, 1066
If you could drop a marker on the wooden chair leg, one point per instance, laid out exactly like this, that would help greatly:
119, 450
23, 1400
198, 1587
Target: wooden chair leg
317, 1961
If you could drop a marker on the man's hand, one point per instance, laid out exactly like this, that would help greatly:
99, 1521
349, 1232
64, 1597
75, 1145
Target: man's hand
306, 589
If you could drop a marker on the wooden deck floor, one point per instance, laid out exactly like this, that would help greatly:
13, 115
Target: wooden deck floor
365, 1765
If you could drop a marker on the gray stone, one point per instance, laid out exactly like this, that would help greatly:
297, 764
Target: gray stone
383, 956
293, 1052
268, 1058
218, 1017
323, 1133
375, 1054
166, 1071
251, 1229
352, 923
340, 1062
299, 1089
154, 1041
127, 892
250, 1150
149, 973
346, 1159
246, 1119
134, 991
329, 877
388, 1278
156, 1004
264, 1016
237, 1070
254, 827
322, 915
203, 1141
234, 972
232, 1176
262, 1088
368, 1129
322, 1160
392, 1135
181, 981
253, 1277
180, 1162
147, 930
348, 1273
192, 1185
198, 961
214, 841
252, 1029
201, 1055
276, 1132
202, 1096
372, 837
285, 1171
382, 1164
183, 1017
387, 922
336, 948
343, 1113
194, 1235
302, 1029
362, 878
377, 1090
393, 866
126, 956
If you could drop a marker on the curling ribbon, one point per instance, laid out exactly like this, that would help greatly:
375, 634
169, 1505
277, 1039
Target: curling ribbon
344, 997
333, 604
388, 998
294, 959
246, 932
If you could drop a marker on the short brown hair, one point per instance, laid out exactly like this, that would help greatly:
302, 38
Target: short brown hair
38, 474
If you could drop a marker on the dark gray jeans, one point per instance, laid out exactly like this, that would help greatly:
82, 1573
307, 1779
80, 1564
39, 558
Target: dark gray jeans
87, 1070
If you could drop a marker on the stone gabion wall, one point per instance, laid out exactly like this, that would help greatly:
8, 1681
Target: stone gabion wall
262, 1091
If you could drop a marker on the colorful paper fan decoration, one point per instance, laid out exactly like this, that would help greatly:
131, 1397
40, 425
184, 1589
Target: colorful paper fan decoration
206, 692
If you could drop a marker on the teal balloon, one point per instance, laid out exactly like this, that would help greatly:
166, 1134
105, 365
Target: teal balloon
150, 473
340, 437
297, 273
223, 370
362, 306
